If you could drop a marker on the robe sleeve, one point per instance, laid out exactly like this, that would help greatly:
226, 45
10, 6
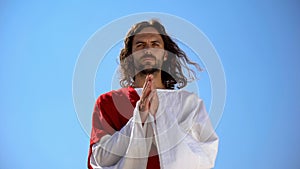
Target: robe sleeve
117, 149
201, 138
185, 136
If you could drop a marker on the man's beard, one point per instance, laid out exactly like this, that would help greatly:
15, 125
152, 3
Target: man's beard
149, 71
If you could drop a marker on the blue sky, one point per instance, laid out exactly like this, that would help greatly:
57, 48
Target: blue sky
257, 42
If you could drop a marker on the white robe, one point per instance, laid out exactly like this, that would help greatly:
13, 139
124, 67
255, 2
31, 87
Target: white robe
182, 133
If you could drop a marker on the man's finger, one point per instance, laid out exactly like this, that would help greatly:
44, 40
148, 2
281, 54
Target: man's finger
146, 82
150, 96
146, 88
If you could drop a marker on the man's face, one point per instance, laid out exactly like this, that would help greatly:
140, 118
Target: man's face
148, 51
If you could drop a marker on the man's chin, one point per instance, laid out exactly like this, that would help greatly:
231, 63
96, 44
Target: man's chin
149, 71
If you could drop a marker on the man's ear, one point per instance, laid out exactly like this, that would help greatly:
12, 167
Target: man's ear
165, 56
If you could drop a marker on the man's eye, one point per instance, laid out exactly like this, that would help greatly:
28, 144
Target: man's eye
139, 45
155, 44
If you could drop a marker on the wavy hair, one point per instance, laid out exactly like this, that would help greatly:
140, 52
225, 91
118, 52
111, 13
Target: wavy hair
172, 69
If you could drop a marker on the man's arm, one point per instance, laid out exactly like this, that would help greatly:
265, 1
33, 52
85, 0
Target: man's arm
201, 137
184, 133
117, 149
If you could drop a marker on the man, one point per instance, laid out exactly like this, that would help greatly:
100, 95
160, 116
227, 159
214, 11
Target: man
147, 123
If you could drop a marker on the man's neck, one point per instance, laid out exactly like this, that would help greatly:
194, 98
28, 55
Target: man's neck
140, 80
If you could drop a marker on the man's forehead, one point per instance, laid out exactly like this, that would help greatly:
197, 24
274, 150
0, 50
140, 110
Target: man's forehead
148, 32
147, 35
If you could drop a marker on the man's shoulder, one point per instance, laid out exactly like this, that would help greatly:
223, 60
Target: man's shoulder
122, 92
108, 95
181, 92
187, 95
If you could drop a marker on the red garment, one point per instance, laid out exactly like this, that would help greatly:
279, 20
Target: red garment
111, 112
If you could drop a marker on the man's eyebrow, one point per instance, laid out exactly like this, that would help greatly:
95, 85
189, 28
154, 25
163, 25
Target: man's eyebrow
139, 41
153, 41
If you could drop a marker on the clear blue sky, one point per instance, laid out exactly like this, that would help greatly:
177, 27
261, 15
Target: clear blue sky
257, 42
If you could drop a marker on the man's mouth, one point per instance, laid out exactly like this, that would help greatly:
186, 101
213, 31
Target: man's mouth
148, 58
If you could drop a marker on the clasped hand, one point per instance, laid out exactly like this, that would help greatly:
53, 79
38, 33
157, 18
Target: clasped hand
149, 99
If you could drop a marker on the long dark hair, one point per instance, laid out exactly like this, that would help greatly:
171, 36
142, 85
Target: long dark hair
171, 73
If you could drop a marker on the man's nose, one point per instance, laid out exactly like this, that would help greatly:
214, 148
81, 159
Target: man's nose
147, 49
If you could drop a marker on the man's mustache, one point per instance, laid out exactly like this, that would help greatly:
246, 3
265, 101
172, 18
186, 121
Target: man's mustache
148, 56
